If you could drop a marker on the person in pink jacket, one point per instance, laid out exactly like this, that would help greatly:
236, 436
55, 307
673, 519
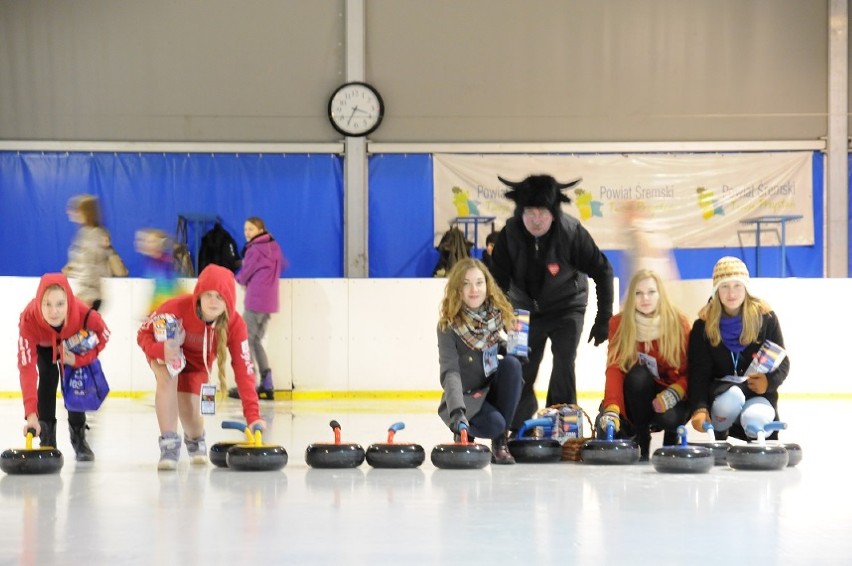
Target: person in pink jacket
261, 270
53, 316
181, 339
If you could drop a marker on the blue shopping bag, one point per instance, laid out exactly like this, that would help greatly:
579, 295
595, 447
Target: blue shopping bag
84, 388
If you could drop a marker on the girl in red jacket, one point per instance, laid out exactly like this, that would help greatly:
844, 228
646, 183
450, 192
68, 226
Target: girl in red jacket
181, 339
646, 373
53, 316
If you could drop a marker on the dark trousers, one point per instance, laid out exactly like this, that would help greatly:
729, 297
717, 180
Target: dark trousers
499, 407
564, 330
639, 391
48, 381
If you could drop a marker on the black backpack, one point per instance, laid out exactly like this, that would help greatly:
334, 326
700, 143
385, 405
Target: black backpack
220, 248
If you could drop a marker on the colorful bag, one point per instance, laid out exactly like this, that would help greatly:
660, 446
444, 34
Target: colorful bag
84, 388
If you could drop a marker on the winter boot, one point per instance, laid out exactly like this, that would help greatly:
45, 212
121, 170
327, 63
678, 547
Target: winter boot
78, 441
266, 390
500, 450
169, 451
233, 393
197, 449
48, 434
643, 439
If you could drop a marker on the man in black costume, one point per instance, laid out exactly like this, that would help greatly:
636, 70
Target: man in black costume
542, 260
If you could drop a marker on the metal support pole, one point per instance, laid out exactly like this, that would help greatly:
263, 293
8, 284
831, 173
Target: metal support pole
356, 262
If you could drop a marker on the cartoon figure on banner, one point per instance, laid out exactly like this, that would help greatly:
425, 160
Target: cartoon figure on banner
464, 206
708, 205
587, 207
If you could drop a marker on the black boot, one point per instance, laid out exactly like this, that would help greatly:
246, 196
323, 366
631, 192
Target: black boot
500, 450
266, 391
78, 441
48, 434
670, 438
643, 439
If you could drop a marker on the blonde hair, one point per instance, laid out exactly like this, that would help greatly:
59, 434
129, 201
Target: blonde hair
451, 313
257, 222
752, 311
54, 287
623, 351
221, 327
87, 206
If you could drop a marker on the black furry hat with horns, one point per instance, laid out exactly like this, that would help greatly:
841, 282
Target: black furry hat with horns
538, 191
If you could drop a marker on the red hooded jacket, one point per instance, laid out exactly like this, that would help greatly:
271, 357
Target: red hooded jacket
33, 330
200, 335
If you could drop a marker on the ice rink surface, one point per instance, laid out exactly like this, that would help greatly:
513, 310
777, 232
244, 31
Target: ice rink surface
121, 510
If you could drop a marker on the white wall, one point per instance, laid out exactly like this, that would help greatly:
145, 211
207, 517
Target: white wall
342, 335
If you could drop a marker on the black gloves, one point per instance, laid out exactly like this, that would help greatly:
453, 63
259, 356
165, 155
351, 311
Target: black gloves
600, 329
456, 418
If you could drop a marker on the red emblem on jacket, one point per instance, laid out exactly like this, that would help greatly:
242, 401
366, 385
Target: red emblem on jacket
553, 268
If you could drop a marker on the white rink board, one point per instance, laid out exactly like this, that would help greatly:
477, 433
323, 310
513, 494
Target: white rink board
343, 335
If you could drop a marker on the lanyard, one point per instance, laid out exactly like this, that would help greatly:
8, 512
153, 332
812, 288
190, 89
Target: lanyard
736, 360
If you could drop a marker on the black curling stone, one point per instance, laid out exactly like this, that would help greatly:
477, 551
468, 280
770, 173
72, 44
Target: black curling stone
256, 457
531, 450
683, 458
461, 455
609, 450
337, 455
29, 460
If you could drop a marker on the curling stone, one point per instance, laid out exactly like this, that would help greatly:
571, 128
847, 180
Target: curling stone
683, 458
758, 455
335, 455
29, 460
718, 447
219, 451
391, 455
531, 450
610, 450
794, 454
254, 455
462, 455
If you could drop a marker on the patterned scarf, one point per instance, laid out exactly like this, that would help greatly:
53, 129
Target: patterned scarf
480, 328
647, 328
730, 327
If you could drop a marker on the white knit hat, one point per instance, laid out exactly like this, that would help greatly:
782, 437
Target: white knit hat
729, 269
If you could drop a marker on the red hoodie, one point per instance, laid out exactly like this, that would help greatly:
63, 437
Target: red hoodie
199, 334
34, 331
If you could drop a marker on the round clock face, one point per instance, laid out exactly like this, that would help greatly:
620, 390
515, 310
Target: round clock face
355, 109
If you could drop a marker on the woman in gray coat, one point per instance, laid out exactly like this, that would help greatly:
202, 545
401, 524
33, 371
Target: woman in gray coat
481, 389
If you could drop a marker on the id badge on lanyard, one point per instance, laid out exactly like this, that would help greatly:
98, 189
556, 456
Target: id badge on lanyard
649, 362
208, 390
489, 360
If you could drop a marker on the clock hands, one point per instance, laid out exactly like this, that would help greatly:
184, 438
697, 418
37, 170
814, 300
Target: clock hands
354, 110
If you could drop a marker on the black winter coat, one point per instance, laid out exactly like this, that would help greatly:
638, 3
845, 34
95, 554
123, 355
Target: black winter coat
708, 364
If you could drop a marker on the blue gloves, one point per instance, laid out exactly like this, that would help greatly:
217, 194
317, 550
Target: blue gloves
457, 417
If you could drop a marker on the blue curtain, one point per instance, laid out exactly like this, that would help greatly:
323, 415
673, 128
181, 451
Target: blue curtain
401, 208
299, 197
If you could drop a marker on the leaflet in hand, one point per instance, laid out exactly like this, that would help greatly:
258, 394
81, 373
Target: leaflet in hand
82, 342
767, 359
517, 339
